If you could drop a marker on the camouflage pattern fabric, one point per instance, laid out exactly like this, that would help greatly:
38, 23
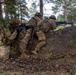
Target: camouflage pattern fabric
40, 34
27, 36
41, 37
42, 41
1, 37
46, 26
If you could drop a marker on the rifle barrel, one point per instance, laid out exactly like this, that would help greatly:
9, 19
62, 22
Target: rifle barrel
64, 22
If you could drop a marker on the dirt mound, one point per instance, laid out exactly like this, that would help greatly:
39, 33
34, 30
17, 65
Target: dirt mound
57, 57
61, 44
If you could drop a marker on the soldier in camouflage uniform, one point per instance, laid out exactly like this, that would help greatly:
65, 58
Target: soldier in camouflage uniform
48, 24
13, 38
41, 36
52, 19
18, 38
10, 34
6, 36
44, 27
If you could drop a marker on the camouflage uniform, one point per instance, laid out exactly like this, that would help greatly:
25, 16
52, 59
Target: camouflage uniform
44, 26
1, 36
7, 36
48, 24
4, 35
4, 48
24, 37
11, 34
19, 41
22, 44
40, 34
25, 40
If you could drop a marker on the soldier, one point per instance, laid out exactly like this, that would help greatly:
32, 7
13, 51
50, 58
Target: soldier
33, 21
48, 24
11, 32
41, 36
52, 19
45, 19
18, 36
11, 35
23, 39
4, 48
44, 27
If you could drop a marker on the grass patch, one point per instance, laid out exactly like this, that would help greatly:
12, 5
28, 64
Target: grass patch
2, 74
72, 72
58, 28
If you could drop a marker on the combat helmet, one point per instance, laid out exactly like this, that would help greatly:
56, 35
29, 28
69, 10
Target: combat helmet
52, 17
38, 14
14, 21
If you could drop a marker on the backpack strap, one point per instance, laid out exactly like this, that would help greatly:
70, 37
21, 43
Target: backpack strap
35, 20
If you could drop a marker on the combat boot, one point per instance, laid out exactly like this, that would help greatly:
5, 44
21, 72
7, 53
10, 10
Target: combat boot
34, 52
24, 56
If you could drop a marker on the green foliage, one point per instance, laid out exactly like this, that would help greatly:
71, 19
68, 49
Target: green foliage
72, 14
2, 74
23, 9
70, 8
67, 74
10, 7
15, 8
32, 10
3, 22
60, 18
70, 43
59, 28
73, 71
39, 73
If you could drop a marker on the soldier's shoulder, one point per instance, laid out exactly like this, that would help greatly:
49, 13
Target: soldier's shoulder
32, 18
51, 20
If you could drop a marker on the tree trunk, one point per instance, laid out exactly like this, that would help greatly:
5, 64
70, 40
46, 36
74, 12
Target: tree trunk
41, 7
65, 10
6, 12
1, 16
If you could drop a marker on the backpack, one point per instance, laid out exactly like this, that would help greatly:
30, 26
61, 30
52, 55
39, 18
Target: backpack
43, 26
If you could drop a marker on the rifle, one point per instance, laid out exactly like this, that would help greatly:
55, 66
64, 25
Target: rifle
64, 22
21, 27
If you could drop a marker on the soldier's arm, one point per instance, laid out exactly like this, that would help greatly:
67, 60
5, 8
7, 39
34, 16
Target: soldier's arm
10, 35
32, 21
53, 25
40, 23
13, 35
7, 33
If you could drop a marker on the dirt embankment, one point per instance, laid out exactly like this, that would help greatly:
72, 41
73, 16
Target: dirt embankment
57, 57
